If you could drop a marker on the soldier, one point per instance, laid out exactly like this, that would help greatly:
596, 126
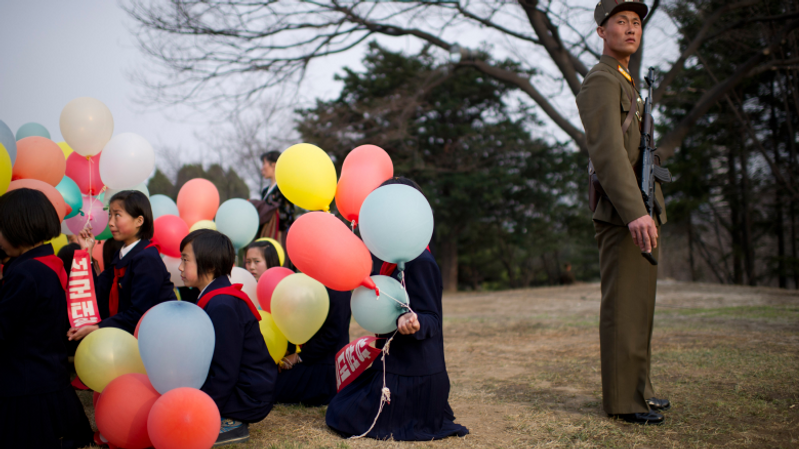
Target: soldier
610, 108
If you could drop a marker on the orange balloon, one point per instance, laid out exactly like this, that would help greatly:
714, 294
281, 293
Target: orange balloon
364, 169
323, 247
122, 413
184, 418
198, 200
52, 194
97, 253
39, 158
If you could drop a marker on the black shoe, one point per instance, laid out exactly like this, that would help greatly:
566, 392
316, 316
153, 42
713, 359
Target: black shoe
232, 432
658, 404
650, 418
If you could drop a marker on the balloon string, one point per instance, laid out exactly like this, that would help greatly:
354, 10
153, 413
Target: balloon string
352, 225
385, 393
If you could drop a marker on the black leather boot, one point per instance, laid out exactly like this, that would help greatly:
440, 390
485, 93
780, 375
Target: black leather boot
651, 418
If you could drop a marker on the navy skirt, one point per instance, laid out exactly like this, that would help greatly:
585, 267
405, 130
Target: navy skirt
419, 408
310, 385
50, 420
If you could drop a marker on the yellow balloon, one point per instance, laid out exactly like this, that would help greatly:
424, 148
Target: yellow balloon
281, 255
275, 340
299, 307
106, 354
203, 224
306, 177
5, 169
58, 243
65, 148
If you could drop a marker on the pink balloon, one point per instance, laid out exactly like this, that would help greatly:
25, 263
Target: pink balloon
169, 232
92, 213
323, 247
85, 172
267, 284
364, 169
198, 199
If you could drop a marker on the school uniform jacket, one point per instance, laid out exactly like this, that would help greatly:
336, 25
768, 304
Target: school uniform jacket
146, 283
604, 100
242, 376
33, 327
422, 353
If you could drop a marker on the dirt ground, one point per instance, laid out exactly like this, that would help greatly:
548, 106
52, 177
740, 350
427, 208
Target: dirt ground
524, 369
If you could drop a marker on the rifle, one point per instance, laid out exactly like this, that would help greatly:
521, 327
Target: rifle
650, 172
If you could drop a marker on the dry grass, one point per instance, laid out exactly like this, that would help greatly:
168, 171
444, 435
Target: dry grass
524, 367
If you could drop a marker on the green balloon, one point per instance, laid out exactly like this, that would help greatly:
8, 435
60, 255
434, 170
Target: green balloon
71, 193
105, 235
32, 129
379, 314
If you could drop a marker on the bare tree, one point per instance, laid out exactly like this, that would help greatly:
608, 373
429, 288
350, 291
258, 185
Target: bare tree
216, 50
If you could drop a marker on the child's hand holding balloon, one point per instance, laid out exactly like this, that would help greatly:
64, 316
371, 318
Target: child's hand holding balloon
408, 324
86, 238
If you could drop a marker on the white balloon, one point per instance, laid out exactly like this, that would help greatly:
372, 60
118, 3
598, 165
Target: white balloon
86, 125
65, 229
127, 160
249, 284
172, 264
109, 193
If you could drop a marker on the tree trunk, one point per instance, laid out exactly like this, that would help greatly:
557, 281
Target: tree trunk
691, 249
735, 227
449, 261
782, 279
748, 246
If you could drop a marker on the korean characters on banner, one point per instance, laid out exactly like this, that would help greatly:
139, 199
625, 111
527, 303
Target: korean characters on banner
81, 297
353, 360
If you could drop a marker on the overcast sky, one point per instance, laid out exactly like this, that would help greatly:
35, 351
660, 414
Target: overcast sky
55, 51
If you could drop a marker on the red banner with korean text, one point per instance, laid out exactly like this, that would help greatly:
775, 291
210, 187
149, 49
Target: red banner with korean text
353, 360
81, 296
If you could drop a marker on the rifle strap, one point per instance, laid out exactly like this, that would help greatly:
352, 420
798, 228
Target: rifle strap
633, 109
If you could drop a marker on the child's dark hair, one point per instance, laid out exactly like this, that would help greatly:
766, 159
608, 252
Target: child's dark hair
213, 252
270, 156
268, 252
66, 253
136, 205
27, 218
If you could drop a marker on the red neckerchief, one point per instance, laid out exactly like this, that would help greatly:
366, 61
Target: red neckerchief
387, 269
119, 273
57, 265
235, 291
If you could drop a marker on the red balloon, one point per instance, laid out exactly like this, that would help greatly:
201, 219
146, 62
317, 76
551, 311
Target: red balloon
198, 199
97, 254
324, 248
37, 158
52, 194
364, 169
169, 231
184, 418
85, 172
267, 284
136, 331
123, 411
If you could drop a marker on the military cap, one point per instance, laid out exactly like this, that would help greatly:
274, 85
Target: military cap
606, 8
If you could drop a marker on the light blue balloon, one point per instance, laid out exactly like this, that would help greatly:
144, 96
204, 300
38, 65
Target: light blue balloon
237, 219
32, 129
163, 205
8, 140
71, 193
176, 343
396, 223
378, 314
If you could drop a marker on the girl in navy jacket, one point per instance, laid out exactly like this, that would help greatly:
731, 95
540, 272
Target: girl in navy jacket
137, 278
38, 407
242, 376
309, 377
415, 371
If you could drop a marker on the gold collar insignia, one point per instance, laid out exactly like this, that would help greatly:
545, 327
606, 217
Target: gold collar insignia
626, 75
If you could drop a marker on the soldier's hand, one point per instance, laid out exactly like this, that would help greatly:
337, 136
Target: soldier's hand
645, 233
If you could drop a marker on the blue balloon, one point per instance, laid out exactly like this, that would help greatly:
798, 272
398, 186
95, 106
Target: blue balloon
378, 314
176, 343
71, 193
163, 205
237, 219
32, 129
396, 223
8, 140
